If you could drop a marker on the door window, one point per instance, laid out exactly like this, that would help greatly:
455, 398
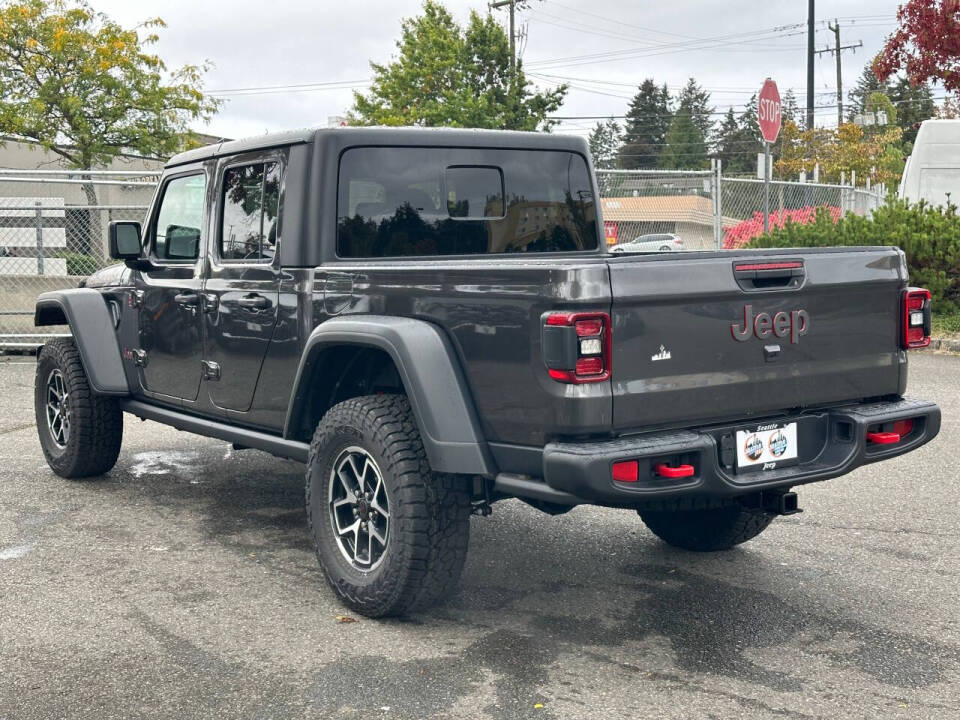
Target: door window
180, 219
251, 199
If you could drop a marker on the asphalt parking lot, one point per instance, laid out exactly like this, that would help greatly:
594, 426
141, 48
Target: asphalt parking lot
183, 585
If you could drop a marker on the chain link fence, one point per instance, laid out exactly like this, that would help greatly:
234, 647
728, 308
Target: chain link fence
53, 233
53, 224
701, 210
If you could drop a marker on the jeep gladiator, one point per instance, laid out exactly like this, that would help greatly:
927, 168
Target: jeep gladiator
429, 320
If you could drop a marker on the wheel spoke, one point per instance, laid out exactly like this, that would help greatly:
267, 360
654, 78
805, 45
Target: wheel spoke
337, 504
356, 543
351, 492
358, 476
375, 533
351, 528
369, 543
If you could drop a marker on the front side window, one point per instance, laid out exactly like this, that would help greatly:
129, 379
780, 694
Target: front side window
251, 199
180, 219
404, 201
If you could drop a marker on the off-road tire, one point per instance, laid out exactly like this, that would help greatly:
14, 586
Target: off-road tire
707, 529
429, 512
96, 421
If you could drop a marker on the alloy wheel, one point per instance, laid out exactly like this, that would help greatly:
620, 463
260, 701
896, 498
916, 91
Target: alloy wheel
359, 508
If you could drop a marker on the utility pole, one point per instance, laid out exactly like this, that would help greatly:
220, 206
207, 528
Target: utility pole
836, 50
513, 36
810, 65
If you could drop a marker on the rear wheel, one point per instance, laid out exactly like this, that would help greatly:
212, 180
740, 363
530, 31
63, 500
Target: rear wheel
390, 535
708, 529
665, 248
80, 432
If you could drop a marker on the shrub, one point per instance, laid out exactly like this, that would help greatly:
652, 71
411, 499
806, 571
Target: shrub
80, 264
929, 236
737, 236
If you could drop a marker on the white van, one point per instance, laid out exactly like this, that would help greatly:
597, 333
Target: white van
932, 172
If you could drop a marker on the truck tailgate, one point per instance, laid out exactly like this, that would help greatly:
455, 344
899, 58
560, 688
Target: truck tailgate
695, 340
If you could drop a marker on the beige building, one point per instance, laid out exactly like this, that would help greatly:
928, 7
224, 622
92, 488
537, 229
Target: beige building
688, 216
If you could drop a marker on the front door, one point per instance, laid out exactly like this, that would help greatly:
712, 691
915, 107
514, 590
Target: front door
169, 298
242, 292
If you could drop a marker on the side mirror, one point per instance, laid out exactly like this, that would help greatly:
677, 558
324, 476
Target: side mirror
124, 240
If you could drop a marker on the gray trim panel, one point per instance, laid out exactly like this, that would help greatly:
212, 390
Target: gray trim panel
93, 332
431, 376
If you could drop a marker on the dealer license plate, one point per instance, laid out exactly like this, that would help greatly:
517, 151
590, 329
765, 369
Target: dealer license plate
766, 446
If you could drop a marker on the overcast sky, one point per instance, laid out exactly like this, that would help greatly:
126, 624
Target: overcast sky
729, 47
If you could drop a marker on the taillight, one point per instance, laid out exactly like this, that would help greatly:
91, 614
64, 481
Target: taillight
576, 347
916, 318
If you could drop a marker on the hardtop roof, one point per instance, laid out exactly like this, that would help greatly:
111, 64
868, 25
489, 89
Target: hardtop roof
410, 136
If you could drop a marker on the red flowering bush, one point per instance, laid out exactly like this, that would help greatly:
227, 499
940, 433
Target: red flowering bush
743, 232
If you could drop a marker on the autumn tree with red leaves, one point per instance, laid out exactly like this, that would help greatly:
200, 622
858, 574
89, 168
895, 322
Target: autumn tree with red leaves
926, 46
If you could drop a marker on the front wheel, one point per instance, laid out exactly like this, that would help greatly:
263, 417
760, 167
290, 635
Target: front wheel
390, 535
707, 529
80, 431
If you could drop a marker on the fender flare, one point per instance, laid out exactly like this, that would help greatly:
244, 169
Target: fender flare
86, 312
431, 375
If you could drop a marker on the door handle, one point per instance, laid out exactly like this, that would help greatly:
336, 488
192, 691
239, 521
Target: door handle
187, 299
253, 300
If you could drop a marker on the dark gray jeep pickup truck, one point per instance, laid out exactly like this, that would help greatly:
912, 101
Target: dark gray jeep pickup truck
430, 321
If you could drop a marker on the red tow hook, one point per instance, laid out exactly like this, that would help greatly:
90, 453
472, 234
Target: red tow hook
883, 438
664, 470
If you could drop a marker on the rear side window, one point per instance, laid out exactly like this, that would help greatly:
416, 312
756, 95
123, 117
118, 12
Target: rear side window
251, 198
395, 202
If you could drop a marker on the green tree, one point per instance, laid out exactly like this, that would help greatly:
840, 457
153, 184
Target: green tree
725, 138
790, 108
914, 104
867, 84
647, 122
696, 101
685, 148
604, 142
448, 75
87, 89
741, 143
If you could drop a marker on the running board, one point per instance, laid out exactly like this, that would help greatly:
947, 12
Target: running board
273, 444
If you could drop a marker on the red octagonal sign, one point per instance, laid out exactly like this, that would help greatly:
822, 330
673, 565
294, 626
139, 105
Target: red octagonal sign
768, 111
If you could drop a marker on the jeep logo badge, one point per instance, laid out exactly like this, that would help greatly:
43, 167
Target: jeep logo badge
793, 324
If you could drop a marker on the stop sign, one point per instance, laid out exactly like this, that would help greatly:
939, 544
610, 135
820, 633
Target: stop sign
768, 111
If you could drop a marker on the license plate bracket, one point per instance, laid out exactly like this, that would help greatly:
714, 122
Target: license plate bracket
766, 447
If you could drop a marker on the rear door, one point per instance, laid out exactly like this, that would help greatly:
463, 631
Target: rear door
695, 338
241, 294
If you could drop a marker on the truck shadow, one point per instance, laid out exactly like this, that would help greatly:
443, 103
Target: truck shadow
539, 589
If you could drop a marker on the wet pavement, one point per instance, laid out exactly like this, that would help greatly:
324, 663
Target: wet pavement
183, 584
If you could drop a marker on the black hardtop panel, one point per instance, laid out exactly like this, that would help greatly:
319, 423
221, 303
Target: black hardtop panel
235, 147
340, 138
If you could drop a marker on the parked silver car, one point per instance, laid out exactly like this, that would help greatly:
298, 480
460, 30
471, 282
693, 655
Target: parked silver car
657, 242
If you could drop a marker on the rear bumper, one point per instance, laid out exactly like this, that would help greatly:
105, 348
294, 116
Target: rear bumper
832, 442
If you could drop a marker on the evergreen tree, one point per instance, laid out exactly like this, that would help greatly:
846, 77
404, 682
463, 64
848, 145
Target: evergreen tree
604, 142
647, 122
867, 84
725, 138
685, 147
741, 145
790, 109
914, 104
696, 100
